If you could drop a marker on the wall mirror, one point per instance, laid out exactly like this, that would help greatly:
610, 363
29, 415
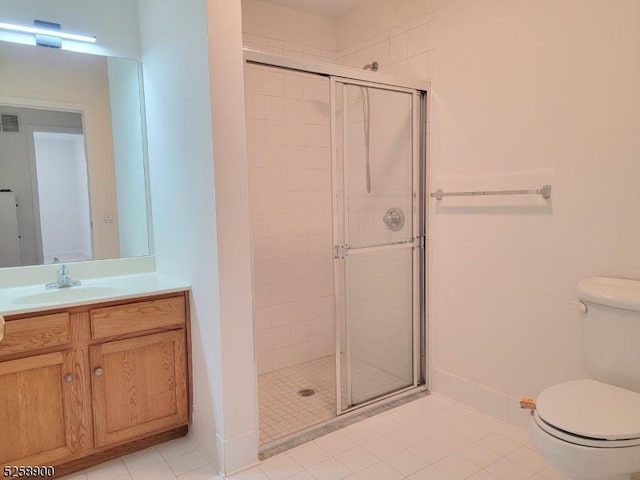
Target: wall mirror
73, 182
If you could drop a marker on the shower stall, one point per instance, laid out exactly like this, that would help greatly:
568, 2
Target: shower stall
337, 168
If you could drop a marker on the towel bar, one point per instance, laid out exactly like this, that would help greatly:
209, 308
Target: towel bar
544, 191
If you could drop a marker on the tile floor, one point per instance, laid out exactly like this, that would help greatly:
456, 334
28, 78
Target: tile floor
177, 459
431, 438
283, 411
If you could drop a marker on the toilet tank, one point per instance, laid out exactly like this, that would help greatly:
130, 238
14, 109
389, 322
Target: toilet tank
611, 330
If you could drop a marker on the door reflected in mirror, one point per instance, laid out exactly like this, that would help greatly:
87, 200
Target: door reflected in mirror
72, 158
63, 214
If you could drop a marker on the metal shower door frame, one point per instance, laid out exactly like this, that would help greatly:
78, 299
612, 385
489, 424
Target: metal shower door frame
417, 243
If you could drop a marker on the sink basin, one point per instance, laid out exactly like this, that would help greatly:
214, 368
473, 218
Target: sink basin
66, 295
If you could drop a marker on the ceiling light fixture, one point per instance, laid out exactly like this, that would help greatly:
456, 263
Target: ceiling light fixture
49, 32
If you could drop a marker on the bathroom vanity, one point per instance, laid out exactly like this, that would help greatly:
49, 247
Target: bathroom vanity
84, 380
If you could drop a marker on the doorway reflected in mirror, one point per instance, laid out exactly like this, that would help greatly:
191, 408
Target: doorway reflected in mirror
63, 231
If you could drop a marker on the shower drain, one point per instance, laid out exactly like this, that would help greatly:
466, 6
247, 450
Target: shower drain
306, 392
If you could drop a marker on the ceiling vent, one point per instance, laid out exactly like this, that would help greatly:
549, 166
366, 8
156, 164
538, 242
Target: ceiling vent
9, 123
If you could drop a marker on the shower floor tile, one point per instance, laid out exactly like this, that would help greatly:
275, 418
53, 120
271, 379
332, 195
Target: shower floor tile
283, 412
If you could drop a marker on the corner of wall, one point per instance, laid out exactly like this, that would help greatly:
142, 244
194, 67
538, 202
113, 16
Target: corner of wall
177, 85
238, 377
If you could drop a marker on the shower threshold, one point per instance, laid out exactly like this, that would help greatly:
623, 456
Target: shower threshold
300, 396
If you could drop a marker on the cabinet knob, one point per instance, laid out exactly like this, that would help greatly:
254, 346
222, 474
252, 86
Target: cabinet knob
68, 378
98, 372
1, 328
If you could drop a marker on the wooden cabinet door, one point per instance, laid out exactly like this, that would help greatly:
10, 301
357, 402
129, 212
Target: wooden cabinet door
139, 386
41, 416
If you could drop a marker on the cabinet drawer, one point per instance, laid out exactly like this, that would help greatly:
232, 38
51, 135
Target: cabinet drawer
34, 333
137, 317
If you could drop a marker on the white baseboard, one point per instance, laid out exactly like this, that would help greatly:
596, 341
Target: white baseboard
227, 456
241, 452
479, 397
205, 437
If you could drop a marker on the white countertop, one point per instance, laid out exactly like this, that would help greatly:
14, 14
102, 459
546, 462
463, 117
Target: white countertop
35, 298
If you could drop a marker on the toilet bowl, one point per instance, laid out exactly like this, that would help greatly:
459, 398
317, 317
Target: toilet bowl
588, 430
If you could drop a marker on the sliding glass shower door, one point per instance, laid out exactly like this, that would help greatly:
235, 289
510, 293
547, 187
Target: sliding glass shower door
378, 239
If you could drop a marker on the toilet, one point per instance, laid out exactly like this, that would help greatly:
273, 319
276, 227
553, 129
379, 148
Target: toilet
590, 428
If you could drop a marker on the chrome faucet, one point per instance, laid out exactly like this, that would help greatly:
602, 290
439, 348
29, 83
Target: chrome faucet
64, 279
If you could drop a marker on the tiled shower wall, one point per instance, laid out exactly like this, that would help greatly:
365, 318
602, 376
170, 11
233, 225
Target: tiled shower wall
290, 200
407, 50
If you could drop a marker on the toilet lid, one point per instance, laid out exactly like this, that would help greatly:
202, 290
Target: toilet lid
584, 441
591, 409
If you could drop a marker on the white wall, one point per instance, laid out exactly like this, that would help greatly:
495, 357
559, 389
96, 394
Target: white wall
232, 212
269, 26
181, 175
113, 23
528, 87
181, 92
128, 153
